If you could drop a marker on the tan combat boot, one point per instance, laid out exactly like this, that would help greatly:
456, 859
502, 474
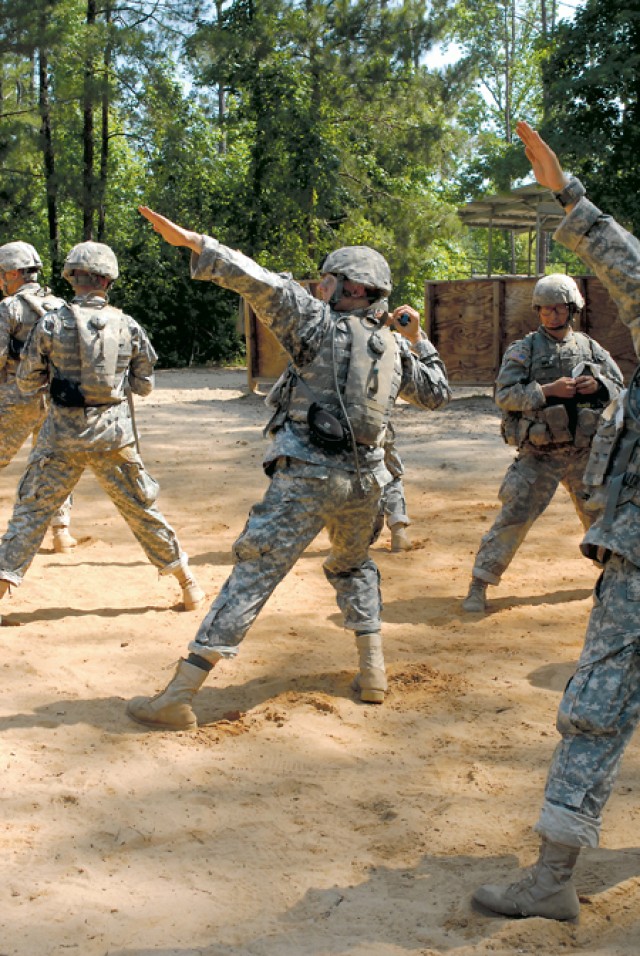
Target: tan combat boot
400, 540
171, 709
546, 889
192, 594
371, 680
476, 599
63, 540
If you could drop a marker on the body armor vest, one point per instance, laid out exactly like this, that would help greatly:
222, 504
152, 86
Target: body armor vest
94, 356
355, 376
39, 303
564, 422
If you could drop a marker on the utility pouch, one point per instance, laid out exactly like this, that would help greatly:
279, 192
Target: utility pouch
587, 425
66, 394
509, 428
539, 434
325, 430
557, 420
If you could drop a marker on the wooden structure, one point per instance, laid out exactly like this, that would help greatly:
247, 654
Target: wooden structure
471, 322
533, 209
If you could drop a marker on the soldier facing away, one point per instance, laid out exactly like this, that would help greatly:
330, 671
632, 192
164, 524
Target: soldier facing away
600, 708
89, 354
326, 458
21, 415
552, 388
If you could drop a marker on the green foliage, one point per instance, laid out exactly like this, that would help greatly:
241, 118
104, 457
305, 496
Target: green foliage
594, 106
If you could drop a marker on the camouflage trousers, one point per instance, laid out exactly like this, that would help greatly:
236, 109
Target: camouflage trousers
527, 488
393, 508
301, 500
20, 418
598, 713
50, 476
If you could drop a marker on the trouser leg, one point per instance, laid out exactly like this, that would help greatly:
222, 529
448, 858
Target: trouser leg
599, 712
574, 483
46, 483
18, 420
349, 569
395, 504
122, 475
277, 531
527, 489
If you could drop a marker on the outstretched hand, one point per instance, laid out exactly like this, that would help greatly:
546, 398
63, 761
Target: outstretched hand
545, 163
171, 232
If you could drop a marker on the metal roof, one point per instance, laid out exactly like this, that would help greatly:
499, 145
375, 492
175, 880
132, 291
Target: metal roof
523, 209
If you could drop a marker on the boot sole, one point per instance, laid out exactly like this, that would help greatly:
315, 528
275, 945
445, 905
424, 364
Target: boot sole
157, 725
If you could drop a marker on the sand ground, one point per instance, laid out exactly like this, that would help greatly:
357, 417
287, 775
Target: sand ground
295, 821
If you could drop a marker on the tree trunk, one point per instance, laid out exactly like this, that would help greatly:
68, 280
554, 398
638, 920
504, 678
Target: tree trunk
104, 131
49, 162
87, 135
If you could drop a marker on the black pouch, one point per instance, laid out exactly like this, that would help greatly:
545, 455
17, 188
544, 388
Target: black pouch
66, 393
325, 430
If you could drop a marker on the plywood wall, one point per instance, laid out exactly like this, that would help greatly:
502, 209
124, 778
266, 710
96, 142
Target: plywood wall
471, 322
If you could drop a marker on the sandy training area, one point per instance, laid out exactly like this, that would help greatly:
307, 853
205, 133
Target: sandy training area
295, 821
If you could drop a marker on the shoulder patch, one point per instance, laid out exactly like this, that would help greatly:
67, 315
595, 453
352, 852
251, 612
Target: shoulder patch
518, 353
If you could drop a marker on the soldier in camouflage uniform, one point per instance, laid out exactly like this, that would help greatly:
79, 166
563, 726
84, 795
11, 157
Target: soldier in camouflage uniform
393, 504
21, 415
89, 355
552, 387
600, 708
347, 365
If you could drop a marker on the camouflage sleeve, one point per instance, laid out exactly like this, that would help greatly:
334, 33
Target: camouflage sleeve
143, 360
296, 318
5, 332
609, 373
515, 389
32, 374
424, 377
612, 253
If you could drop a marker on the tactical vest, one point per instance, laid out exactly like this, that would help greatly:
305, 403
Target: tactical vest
39, 303
355, 376
551, 426
95, 348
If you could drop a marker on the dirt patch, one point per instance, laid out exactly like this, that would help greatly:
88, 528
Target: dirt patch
295, 821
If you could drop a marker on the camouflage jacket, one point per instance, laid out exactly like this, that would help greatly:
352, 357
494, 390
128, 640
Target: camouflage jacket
614, 256
539, 359
17, 317
53, 349
300, 323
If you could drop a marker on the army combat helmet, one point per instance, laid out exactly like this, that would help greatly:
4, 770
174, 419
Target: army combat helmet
19, 255
95, 258
359, 264
557, 289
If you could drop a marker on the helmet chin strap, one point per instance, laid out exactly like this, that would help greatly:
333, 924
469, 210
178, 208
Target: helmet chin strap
337, 292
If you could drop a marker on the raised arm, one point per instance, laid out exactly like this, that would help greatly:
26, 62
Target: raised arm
171, 232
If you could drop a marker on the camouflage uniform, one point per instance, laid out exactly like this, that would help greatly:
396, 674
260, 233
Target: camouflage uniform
601, 705
550, 451
22, 415
311, 488
99, 436
393, 505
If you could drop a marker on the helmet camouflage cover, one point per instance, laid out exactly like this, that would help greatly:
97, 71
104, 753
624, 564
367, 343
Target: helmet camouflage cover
19, 255
360, 264
557, 289
94, 257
